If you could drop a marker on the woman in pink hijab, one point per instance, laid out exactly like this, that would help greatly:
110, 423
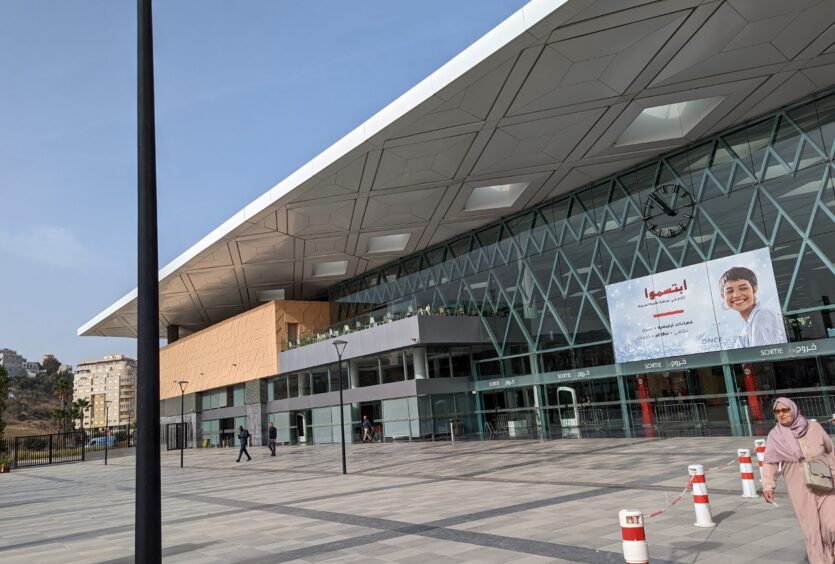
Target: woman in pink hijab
795, 439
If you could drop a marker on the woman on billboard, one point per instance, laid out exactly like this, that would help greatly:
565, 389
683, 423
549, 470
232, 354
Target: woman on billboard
762, 326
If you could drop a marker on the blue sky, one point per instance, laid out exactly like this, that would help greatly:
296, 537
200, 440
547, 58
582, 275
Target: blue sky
246, 92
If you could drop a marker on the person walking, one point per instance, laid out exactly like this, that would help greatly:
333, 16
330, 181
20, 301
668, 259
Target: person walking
273, 435
366, 430
793, 442
243, 437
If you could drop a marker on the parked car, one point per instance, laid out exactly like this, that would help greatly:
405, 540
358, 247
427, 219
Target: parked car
102, 441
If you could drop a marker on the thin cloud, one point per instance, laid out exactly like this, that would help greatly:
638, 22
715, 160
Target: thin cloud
53, 245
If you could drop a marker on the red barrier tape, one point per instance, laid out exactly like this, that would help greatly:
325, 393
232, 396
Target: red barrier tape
678, 498
689, 487
721, 466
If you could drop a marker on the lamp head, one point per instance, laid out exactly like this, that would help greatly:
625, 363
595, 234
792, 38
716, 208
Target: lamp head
183, 384
340, 345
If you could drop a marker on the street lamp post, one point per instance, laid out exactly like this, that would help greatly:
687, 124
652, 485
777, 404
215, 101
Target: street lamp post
340, 348
183, 384
106, 428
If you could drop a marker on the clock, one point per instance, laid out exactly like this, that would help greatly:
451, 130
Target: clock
668, 210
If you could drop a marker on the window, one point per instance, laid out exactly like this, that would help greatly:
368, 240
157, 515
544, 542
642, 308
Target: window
304, 384
280, 386
213, 399
438, 363
460, 362
333, 371
239, 395
293, 332
320, 381
271, 389
367, 371
392, 367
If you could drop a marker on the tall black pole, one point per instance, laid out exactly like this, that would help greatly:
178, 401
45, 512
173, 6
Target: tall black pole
342, 413
106, 433
182, 424
148, 539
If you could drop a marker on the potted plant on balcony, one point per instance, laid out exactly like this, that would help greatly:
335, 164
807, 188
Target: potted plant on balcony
5, 464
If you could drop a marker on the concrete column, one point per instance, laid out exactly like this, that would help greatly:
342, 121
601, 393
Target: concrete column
254, 422
733, 403
624, 408
173, 333
541, 417
419, 356
353, 375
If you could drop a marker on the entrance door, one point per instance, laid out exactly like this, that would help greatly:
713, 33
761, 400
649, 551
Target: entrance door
300, 427
569, 413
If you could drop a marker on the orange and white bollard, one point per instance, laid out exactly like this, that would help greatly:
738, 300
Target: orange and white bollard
635, 549
759, 447
746, 473
700, 500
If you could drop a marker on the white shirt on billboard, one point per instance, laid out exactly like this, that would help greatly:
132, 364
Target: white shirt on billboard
764, 327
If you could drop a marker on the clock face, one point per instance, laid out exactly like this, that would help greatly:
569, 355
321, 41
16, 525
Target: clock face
668, 210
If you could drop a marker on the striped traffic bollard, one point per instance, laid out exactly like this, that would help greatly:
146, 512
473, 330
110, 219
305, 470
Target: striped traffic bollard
759, 447
746, 472
700, 500
635, 549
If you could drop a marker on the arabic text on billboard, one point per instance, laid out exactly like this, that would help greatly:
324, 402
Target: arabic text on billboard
727, 303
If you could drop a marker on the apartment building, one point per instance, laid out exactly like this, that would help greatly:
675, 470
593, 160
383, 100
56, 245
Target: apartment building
12, 362
109, 384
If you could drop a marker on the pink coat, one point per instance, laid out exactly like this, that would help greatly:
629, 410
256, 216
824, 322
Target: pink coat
815, 511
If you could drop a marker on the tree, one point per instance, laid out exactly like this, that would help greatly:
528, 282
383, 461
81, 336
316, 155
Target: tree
4, 395
51, 364
60, 415
61, 390
79, 406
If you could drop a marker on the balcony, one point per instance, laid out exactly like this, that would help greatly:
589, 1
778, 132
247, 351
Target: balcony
386, 336
372, 320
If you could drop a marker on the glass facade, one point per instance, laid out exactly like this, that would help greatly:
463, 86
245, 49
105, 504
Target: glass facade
544, 366
536, 280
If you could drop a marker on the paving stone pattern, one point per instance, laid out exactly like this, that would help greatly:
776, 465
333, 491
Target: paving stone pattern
478, 502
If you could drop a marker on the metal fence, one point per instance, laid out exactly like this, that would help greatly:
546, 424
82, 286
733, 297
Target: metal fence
176, 435
39, 450
816, 407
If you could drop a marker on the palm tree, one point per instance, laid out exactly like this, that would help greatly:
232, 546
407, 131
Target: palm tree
61, 390
79, 406
59, 415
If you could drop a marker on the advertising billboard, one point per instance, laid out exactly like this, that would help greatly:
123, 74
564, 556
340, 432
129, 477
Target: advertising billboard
727, 303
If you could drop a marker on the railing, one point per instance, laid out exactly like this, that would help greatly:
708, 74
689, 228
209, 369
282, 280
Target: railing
370, 320
38, 450
54, 448
515, 424
691, 413
816, 407
177, 435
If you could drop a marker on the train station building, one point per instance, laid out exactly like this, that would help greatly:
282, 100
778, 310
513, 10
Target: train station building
601, 219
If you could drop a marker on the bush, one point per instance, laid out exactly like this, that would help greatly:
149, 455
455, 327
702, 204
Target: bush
35, 443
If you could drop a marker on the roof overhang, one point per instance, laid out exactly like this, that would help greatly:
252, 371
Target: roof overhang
560, 94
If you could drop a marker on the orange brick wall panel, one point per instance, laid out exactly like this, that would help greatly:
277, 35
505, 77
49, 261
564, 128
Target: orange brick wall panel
233, 351
244, 347
309, 316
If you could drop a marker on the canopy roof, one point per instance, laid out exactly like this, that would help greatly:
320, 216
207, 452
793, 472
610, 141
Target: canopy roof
562, 93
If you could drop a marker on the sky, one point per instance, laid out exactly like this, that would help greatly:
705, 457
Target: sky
246, 93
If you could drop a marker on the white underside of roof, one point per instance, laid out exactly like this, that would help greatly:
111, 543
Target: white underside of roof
543, 100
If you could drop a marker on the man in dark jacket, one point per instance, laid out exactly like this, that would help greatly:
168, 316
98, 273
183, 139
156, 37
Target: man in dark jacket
272, 437
243, 437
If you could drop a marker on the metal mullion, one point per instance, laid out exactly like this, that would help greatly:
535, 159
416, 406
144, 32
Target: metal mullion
795, 272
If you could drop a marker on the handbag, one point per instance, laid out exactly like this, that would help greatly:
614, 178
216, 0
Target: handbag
818, 476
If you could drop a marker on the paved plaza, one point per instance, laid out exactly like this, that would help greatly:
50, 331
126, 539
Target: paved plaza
495, 501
